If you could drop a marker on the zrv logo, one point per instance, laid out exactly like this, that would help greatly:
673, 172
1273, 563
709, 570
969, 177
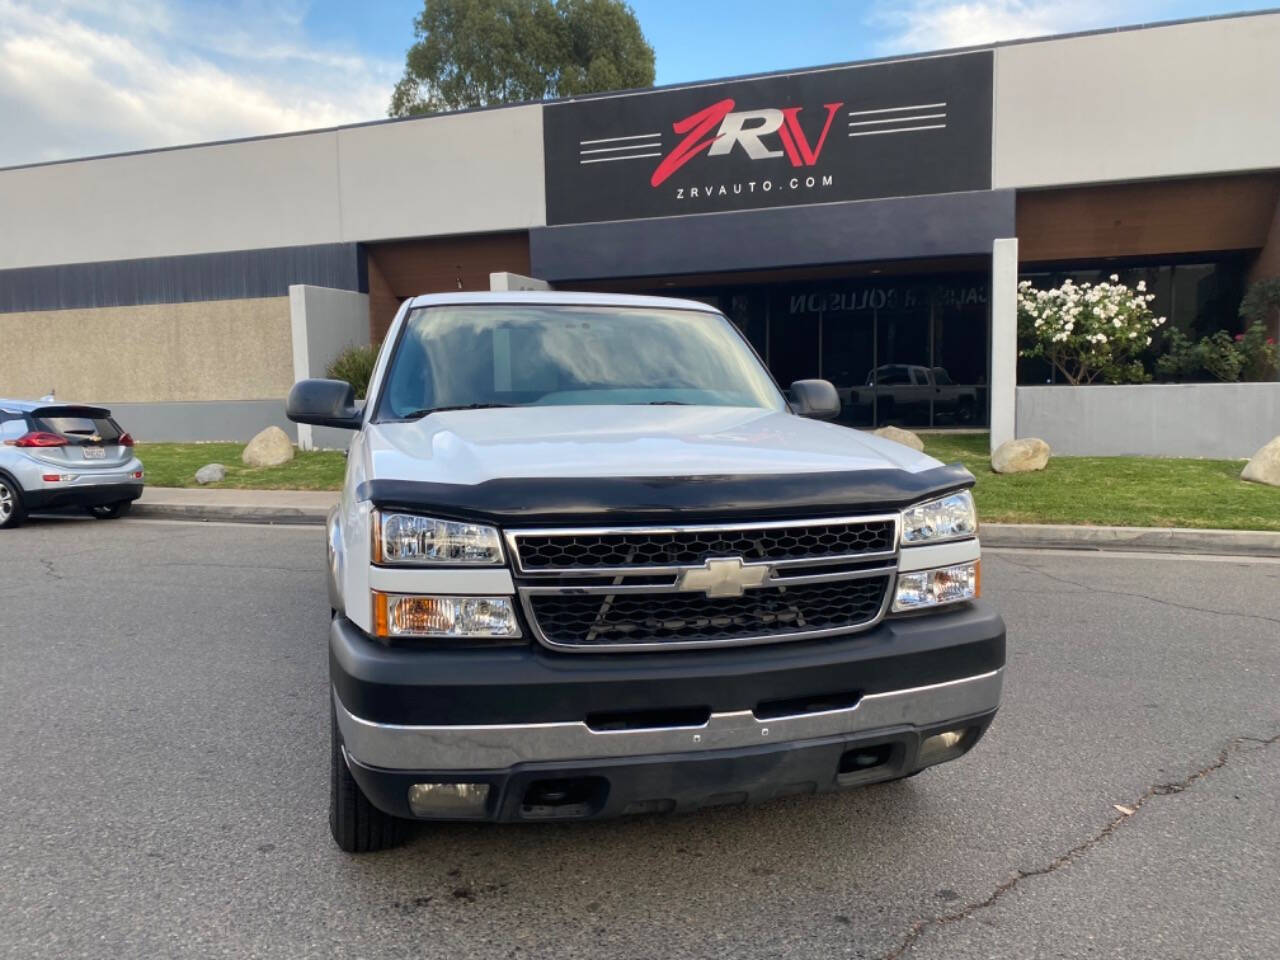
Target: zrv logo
745, 128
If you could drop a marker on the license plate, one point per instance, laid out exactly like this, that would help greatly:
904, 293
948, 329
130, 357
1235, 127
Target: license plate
95, 453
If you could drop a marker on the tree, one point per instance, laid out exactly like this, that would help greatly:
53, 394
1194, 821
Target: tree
477, 53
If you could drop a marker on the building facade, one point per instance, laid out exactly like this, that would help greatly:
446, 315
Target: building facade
864, 223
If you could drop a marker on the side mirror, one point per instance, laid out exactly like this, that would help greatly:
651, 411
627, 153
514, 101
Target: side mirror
324, 403
816, 399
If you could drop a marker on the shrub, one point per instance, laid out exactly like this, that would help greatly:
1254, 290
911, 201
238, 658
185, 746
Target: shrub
1249, 356
1088, 331
355, 365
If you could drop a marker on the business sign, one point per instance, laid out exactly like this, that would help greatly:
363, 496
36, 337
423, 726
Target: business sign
894, 129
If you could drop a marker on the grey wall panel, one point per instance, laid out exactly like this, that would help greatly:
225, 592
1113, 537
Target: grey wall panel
235, 422
236, 275
1223, 420
952, 224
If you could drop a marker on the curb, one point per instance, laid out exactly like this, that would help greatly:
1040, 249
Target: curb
228, 513
1246, 543
1243, 543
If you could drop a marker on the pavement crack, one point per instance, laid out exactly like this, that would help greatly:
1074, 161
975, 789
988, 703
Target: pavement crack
961, 914
1141, 596
50, 570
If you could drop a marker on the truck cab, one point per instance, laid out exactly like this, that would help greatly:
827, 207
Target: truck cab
590, 561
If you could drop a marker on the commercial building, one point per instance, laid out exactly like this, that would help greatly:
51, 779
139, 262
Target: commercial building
865, 223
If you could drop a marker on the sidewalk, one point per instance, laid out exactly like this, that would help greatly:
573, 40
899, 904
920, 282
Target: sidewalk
311, 507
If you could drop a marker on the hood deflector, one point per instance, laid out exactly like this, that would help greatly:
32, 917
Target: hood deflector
612, 500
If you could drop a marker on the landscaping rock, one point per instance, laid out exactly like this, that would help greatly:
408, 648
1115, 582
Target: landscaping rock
904, 437
211, 473
1020, 456
270, 448
1265, 465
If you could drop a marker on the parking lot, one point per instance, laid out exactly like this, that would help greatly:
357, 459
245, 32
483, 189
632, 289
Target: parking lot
166, 786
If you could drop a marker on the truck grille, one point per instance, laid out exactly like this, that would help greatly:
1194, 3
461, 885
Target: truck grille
641, 588
594, 549
660, 618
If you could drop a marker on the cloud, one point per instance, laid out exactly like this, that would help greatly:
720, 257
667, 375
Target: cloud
84, 77
917, 25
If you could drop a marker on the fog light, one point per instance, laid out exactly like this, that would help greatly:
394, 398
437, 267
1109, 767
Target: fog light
931, 588
399, 615
448, 799
941, 746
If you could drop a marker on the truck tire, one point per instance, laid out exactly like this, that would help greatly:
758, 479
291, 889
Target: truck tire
12, 511
356, 824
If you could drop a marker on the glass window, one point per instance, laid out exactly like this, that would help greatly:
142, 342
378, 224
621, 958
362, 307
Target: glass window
517, 355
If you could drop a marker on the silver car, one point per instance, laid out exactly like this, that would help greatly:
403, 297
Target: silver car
64, 455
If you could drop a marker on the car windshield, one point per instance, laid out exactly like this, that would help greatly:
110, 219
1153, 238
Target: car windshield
481, 355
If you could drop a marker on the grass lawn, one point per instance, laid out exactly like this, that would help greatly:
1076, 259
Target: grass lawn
1105, 491
175, 465
1114, 491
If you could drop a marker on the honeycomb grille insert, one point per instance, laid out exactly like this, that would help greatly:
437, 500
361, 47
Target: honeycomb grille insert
621, 548
602, 620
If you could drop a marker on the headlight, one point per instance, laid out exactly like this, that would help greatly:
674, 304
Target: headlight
948, 518
399, 615
405, 538
921, 589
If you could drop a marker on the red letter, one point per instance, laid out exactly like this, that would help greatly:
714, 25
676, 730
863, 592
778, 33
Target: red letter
695, 125
796, 143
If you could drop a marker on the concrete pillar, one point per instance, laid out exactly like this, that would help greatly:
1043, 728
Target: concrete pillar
323, 322
516, 281
1004, 341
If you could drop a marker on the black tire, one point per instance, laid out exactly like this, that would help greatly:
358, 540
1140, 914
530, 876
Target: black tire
109, 511
12, 512
356, 824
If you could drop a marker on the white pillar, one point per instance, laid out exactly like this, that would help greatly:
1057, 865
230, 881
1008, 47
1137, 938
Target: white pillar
301, 351
516, 281
1004, 341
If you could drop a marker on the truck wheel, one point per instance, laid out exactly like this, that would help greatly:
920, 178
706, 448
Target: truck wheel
12, 512
356, 824
109, 511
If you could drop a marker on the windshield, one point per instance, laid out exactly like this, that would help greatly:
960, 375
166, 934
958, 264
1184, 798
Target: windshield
520, 355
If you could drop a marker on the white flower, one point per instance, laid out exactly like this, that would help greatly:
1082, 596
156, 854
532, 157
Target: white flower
1142, 286
1115, 278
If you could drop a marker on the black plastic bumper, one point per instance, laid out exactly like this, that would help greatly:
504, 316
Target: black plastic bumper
528, 684
674, 783
93, 495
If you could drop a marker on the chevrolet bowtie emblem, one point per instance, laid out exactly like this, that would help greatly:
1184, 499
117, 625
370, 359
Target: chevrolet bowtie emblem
723, 577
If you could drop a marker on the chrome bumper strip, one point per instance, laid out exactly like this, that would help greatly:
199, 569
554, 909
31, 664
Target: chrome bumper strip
400, 747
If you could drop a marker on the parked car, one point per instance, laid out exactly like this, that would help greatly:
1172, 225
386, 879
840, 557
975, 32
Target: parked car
588, 561
906, 390
64, 455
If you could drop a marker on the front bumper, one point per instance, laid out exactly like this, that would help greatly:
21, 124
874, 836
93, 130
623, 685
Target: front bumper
662, 731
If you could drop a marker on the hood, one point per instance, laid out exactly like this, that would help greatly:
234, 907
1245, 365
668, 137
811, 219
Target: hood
475, 446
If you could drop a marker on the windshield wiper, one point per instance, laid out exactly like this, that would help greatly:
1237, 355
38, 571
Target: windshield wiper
419, 414
666, 403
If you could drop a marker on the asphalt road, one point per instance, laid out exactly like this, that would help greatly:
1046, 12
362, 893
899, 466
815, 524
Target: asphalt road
165, 785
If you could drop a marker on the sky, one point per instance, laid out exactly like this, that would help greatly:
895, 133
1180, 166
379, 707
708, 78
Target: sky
86, 77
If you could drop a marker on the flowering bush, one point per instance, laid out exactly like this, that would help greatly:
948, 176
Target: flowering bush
1088, 331
1246, 356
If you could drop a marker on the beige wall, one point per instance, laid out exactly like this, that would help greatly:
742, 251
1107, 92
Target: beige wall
214, 350
1173, 101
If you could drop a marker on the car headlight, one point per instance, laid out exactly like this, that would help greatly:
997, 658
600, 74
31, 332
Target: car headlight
921, 589
406, 615
406, 538
952, 517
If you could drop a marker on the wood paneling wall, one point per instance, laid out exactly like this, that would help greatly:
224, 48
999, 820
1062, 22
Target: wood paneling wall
1146, 219
406, 268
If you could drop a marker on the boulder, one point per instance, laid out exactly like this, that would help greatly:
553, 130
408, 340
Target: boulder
1265, 465
1020, 456
270, 448
904, 437
211, 473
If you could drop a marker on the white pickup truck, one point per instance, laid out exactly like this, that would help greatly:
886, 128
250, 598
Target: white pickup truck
590, 561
